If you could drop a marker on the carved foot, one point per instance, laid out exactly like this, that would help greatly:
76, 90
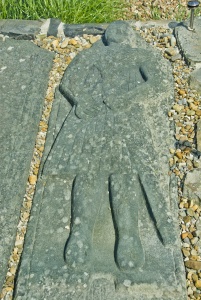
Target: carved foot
130, 254
78, 252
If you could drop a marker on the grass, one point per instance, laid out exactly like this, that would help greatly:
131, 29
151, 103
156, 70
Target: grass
182, 13
155, 13
68, 11
84, 11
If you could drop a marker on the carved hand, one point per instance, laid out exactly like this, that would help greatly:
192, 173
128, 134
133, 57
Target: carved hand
127, 100
89, 108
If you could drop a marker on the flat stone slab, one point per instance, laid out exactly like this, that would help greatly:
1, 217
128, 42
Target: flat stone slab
195, 80
80, 29
56, 28
104, 217
192, 188
20, 29
24, 76
189, 41
27, 29
198, 135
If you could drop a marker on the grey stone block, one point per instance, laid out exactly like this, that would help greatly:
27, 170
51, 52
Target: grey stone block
2, 22
104, 220
53, 27
198, 135
24, 72
192, 188
189, 41
72, 30
195, 80
20, 29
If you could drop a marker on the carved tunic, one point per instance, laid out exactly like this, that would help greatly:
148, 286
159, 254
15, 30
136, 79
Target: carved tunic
104, 128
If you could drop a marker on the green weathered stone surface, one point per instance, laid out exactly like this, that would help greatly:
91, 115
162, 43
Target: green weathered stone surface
24, 72
73, 30
104, 221
195, 80
20, 29
189, 41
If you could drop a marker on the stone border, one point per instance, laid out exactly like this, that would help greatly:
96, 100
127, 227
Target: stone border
28, 29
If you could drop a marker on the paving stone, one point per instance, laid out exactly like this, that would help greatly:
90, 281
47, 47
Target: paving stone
55, 27
20, 29
103, 222
189, 41
24, 72
27, 29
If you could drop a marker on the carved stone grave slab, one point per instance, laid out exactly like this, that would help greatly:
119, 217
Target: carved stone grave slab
24, 72
104, 220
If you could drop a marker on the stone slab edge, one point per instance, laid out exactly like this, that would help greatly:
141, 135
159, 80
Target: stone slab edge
28, 29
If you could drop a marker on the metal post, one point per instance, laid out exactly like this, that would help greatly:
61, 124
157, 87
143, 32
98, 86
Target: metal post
192, 5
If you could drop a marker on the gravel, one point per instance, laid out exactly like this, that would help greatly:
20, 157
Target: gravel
184, 113
157, 9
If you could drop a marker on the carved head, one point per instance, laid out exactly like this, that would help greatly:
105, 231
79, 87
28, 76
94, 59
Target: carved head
120, 32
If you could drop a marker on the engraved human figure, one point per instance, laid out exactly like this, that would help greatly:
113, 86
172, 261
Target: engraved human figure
105, 139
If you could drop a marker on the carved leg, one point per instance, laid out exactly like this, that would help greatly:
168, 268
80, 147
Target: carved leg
159, 210
86, 201
125, 192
